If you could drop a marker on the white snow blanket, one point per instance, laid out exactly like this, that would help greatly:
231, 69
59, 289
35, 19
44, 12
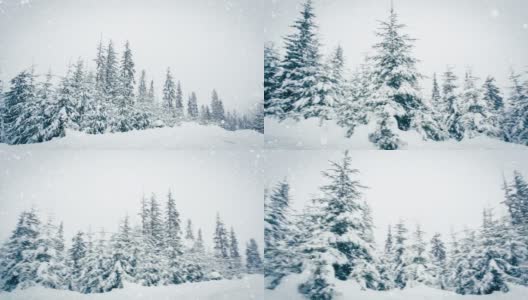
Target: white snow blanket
186, 136
310, 134
248, 288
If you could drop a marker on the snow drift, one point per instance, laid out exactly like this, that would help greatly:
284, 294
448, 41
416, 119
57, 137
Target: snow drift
249, 287
185, 136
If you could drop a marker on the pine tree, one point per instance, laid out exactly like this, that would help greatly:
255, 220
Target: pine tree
451, 101
100, 69
476, 116
221, 247
438, 256
111, 78
169, 96
77, 253
23, 111
64, 113
217, 109
150, 95
419, 269
277, 232
235, 259
516, 195
189, 234
178, 103
401, 256
299, 91
123, 259
386, 266
142, 96
174, 245
19, 263
396, 103
351, 111
51, 271
336, 237
516, 122
192, 107
253, 260
271, 83
333, 84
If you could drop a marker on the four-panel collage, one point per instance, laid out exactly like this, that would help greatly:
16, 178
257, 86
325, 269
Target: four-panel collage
264, 149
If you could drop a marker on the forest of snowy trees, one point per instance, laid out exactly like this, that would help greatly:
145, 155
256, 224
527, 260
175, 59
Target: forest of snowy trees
159, 251
385, 92
34, 109
332, 239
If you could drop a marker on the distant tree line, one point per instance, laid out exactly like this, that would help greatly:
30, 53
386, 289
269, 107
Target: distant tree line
106, 99
385, 91
159, 251
332, 239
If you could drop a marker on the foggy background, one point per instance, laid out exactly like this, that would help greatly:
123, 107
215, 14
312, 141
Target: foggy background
98, 188
488, 35
207, 43
441, 190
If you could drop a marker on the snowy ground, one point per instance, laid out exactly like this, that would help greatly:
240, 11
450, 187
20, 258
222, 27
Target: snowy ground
288, 290
248, 288
308, 134
186, 136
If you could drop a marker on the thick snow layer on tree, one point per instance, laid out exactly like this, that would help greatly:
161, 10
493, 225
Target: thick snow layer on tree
288, 290
247, 288
311, 134
186, 136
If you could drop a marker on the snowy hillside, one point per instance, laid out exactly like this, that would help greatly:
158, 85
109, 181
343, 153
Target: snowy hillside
250, 287
309, 134
186, 136
288, 290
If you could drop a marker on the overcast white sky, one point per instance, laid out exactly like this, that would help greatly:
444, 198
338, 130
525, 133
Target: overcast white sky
207, 43
98, 188
442, 190
488, 35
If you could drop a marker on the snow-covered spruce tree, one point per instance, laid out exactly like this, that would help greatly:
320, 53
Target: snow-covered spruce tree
192, 107
178, 103
194, 268
169, 97
396, 103
332, 85
464, 269
493, 270
516, 199
150, 95
516, 123
439, 105
122, 257
64, 112
235, 260
336, 247
386, 263
351, 111
271, 82
253, 260
217, 109
142, 96
419, 269
257, 120
451, 100
438, 257
221, 248
476, 113
152, 264
51, 272
174, 242
279, 259
19, 263
400, 260
111, 74
492, 94
76, 254
299, 93
23, 117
